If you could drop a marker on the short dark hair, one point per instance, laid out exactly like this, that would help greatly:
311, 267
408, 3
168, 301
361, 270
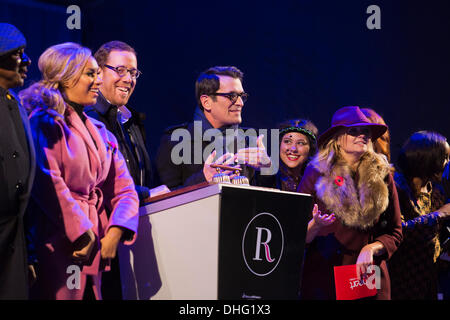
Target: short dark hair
103, 52
423, 155
208, 81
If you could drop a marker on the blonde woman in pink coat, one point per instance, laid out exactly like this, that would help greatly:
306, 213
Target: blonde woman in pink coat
80, 172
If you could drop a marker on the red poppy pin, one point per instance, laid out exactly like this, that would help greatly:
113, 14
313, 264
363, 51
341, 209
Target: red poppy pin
339, 181
112, 146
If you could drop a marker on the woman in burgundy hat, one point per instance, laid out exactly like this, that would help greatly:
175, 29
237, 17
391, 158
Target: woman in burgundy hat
357, 217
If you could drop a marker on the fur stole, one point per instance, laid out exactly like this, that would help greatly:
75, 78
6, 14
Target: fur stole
356, 204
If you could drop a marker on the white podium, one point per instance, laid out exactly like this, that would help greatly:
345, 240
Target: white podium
218, 241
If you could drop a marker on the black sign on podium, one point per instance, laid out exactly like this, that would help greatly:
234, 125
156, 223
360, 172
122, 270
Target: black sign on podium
261, 243
218, 241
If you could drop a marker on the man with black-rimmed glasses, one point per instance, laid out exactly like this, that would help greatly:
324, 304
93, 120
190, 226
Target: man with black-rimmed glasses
118, 64
186, 151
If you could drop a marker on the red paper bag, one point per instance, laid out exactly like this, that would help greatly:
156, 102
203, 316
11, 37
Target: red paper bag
348, 287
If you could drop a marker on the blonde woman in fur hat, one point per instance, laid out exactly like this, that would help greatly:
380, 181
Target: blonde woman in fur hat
357, 217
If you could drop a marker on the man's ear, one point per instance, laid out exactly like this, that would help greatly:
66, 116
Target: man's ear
206, 102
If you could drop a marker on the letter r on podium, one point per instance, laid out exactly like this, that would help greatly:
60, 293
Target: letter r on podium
265, 244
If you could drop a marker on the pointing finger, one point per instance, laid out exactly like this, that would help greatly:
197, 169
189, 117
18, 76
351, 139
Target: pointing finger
210, 158
260, 143
315, 209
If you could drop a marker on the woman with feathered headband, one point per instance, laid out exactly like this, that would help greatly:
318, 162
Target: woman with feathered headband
297, 146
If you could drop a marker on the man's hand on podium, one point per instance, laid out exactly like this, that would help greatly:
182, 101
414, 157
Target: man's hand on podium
226, 159
159, 190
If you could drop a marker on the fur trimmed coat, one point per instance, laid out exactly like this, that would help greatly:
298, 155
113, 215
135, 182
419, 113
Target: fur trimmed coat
366, 207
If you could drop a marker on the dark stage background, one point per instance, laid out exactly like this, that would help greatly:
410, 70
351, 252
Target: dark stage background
301, 58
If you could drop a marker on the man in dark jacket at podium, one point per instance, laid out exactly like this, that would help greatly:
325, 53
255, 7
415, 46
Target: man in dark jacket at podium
186, 151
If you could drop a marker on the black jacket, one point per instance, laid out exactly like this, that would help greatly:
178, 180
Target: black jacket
131, 138
17, 167
185, 166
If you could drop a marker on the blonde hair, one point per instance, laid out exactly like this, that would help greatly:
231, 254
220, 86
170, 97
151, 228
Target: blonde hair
330, 152
382, 144
61, 67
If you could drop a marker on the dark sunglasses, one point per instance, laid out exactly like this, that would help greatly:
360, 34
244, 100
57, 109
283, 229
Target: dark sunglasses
232, 96
357, 131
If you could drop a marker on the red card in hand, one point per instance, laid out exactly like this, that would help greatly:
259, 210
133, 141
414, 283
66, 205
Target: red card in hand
348, 287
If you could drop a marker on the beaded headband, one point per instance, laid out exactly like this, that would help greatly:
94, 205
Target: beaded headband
297, 129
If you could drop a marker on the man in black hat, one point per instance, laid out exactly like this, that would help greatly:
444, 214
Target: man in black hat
17, 165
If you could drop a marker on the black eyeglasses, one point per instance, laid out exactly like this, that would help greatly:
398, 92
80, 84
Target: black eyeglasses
122, 71
232, 96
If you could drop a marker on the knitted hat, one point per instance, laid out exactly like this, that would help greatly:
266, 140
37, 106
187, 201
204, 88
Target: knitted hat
10, 39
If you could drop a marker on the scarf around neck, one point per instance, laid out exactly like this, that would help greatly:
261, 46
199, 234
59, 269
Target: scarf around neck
356, 198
